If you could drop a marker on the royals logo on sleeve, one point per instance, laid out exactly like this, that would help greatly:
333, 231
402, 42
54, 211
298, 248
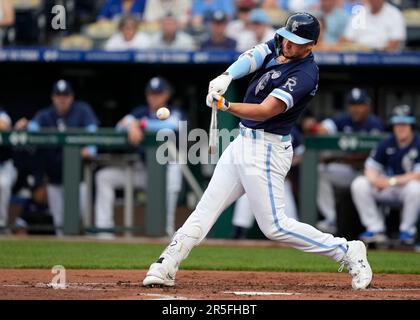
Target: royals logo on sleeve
290, 83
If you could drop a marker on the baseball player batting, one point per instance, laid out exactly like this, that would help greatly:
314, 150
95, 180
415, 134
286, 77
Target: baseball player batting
285, 80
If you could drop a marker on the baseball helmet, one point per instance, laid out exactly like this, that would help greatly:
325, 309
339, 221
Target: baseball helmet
300, 28
358, 96
402, 114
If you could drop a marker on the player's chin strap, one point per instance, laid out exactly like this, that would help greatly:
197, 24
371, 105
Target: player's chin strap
278, 44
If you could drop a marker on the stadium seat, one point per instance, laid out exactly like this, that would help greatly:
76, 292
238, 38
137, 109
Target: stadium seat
412, 17
76, 42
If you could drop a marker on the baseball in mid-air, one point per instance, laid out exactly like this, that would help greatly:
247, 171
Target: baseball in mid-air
163, 113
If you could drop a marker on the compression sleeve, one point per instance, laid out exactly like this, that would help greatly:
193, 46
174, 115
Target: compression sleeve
249, 61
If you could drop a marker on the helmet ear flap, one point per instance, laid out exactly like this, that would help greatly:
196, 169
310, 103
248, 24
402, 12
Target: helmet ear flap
278, 44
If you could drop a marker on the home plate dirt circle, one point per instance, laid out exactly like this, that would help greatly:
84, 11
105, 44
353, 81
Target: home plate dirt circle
206, 285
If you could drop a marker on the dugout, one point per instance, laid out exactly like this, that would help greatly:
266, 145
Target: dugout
113, 83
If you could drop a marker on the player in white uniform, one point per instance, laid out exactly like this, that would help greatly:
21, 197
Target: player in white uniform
257, 161
392, 175
8, 174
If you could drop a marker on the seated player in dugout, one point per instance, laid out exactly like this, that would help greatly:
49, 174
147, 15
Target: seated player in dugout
8, 174
64, 113
392, 175
143, 118
337, 170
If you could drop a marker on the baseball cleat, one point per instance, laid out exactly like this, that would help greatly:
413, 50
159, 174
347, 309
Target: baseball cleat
373, 237
356, 262
407, 238
158, 276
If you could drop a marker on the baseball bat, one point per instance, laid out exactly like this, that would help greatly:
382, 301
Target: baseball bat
213, 137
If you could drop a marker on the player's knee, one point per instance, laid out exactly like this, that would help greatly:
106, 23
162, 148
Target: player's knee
412, 189
275, 231
360, 185
4, 183
102, 176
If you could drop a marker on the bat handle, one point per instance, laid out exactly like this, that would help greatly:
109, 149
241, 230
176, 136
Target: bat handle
213, 130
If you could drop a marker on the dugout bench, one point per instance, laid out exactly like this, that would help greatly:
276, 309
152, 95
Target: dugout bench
308, 177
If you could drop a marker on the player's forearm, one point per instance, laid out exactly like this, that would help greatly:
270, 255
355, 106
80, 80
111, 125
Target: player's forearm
253, 111
372, 175
405, 178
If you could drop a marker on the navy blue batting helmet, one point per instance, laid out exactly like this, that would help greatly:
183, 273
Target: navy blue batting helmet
300, 28
358, 96
402, 114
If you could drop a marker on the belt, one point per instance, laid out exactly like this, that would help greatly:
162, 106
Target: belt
258, 134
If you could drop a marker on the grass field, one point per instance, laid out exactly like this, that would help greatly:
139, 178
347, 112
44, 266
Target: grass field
92, 255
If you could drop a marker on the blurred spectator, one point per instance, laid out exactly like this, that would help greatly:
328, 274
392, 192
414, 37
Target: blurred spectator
243, 218
339, 170
156, 10
64, 113
115, 9
334, 19
259, 31
128, 37
8, 173
392, 175
239, 24
298, 5
202, 9
378, 26
171, 36
7, 17
35, 213
217, 39
276, 12
158, 93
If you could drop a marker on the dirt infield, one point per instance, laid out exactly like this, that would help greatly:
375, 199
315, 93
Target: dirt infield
208, 285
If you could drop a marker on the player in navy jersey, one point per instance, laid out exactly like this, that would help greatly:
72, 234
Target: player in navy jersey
257, 161
339, 170
158, 93
65, 112
8, 173
392, 174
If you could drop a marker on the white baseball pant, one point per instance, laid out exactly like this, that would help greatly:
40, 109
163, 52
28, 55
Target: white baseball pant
329, 176
8, 176
365, 196
244, 218
258, 168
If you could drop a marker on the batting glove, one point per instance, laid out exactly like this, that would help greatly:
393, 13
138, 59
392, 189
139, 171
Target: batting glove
221, 83
221, 103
